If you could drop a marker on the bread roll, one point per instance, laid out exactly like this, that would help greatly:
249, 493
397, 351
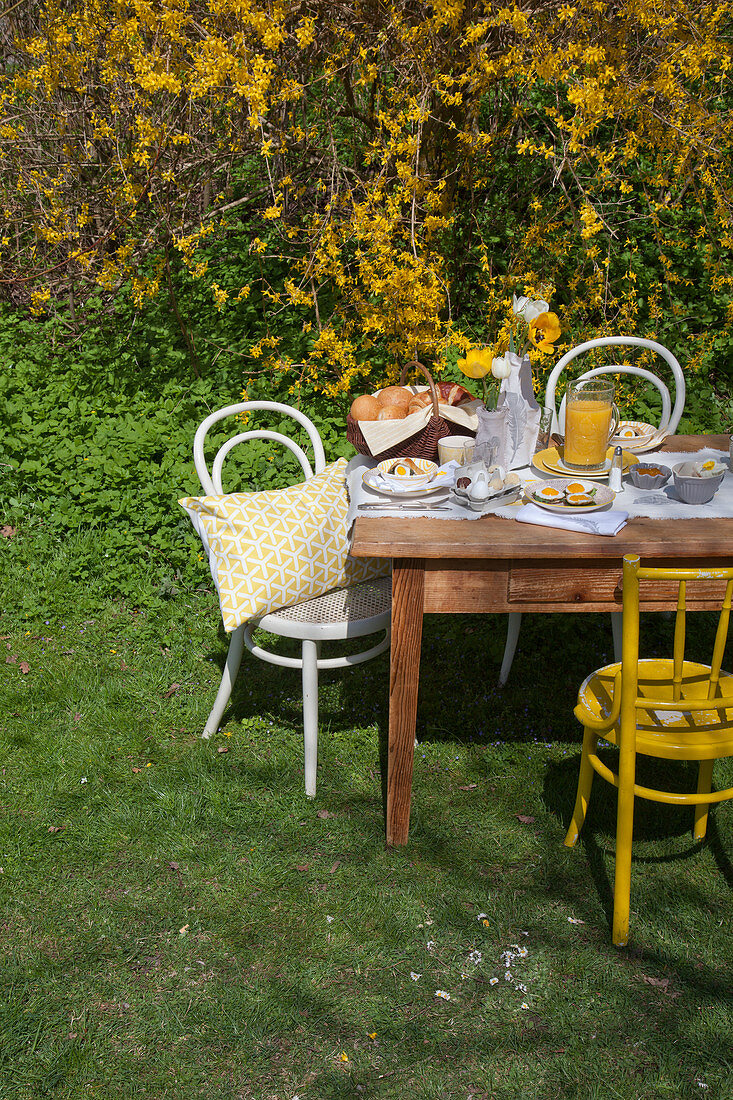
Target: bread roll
419, 402
395, 395
365, 407
452, 394
391, 412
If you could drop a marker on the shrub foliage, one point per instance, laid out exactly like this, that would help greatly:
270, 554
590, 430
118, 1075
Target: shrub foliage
379, 178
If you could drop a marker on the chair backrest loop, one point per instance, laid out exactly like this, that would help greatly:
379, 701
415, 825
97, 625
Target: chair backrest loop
210, 477
671, 414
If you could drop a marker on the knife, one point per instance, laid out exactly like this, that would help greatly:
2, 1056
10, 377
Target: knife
403, 506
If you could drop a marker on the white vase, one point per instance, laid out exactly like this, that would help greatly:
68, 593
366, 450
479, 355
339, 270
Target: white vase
522, 412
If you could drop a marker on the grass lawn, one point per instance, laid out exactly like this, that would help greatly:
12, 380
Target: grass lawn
179, 921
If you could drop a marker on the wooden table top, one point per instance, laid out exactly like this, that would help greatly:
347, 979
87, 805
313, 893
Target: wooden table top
496, 538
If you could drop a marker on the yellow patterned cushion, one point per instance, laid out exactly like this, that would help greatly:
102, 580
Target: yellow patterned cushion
269, 550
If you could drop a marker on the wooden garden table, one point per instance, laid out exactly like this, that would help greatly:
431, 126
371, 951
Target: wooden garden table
496, 565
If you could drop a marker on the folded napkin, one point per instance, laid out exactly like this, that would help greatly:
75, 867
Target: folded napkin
593, 523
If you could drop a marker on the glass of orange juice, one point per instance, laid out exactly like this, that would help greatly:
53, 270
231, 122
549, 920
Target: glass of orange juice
591, 419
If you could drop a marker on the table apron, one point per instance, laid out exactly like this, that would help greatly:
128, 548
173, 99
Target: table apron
489, 586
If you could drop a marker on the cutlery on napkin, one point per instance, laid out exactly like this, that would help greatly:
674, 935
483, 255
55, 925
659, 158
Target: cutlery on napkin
404, 506
598, 523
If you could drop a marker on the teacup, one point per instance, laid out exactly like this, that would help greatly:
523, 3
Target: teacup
457, 448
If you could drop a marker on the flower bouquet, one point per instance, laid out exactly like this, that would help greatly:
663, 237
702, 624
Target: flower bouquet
510, 418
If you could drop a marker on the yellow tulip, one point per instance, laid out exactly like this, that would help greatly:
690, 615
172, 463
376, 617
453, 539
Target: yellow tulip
477, 363
544, 331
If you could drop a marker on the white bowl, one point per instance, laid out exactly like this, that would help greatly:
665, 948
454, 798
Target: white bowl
407, 474
695, 490
642, 479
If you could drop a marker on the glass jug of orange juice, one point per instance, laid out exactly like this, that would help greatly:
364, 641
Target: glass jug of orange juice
591, 419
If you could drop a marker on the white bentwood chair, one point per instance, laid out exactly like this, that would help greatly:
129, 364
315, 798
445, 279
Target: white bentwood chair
669, 420
354, 612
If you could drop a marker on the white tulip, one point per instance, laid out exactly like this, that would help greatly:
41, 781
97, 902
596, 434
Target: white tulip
503, 365
528, 309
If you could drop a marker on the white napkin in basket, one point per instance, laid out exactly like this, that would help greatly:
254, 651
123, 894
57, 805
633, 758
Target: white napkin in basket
593, 523
383, 435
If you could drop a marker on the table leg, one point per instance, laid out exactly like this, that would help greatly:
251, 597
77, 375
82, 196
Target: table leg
408, 586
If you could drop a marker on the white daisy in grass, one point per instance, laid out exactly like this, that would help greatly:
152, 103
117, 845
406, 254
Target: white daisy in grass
493, 981
442, 994
415, 977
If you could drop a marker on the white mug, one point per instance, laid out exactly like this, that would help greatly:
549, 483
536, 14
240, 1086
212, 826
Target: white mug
457, 447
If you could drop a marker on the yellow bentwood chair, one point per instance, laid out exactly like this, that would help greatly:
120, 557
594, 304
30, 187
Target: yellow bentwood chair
668, 708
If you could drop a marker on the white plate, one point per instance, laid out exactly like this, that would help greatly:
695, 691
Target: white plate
372, 479
645, 438
602, 494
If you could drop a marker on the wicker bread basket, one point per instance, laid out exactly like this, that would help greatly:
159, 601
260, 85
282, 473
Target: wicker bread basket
424, 443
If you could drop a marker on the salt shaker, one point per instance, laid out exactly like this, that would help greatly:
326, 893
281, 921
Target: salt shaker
614, 474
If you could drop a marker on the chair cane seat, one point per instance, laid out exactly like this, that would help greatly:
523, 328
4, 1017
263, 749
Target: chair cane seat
355, 607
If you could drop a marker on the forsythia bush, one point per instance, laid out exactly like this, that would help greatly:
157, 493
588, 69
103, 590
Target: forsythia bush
398, 169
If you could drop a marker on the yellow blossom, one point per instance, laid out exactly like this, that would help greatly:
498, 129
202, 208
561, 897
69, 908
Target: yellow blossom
477, 363
544, 331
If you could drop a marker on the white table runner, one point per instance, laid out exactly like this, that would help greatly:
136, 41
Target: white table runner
653, 503
664, 503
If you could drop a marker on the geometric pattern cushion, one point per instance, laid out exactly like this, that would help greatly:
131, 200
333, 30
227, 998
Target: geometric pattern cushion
272, 549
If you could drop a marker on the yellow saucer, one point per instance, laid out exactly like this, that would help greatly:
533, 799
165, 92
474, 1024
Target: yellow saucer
549, 462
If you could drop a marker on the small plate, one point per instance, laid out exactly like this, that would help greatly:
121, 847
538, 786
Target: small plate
549, 462
637, 436
372, 480
602, 494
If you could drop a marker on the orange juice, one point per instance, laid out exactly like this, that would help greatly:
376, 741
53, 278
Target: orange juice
587, 431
